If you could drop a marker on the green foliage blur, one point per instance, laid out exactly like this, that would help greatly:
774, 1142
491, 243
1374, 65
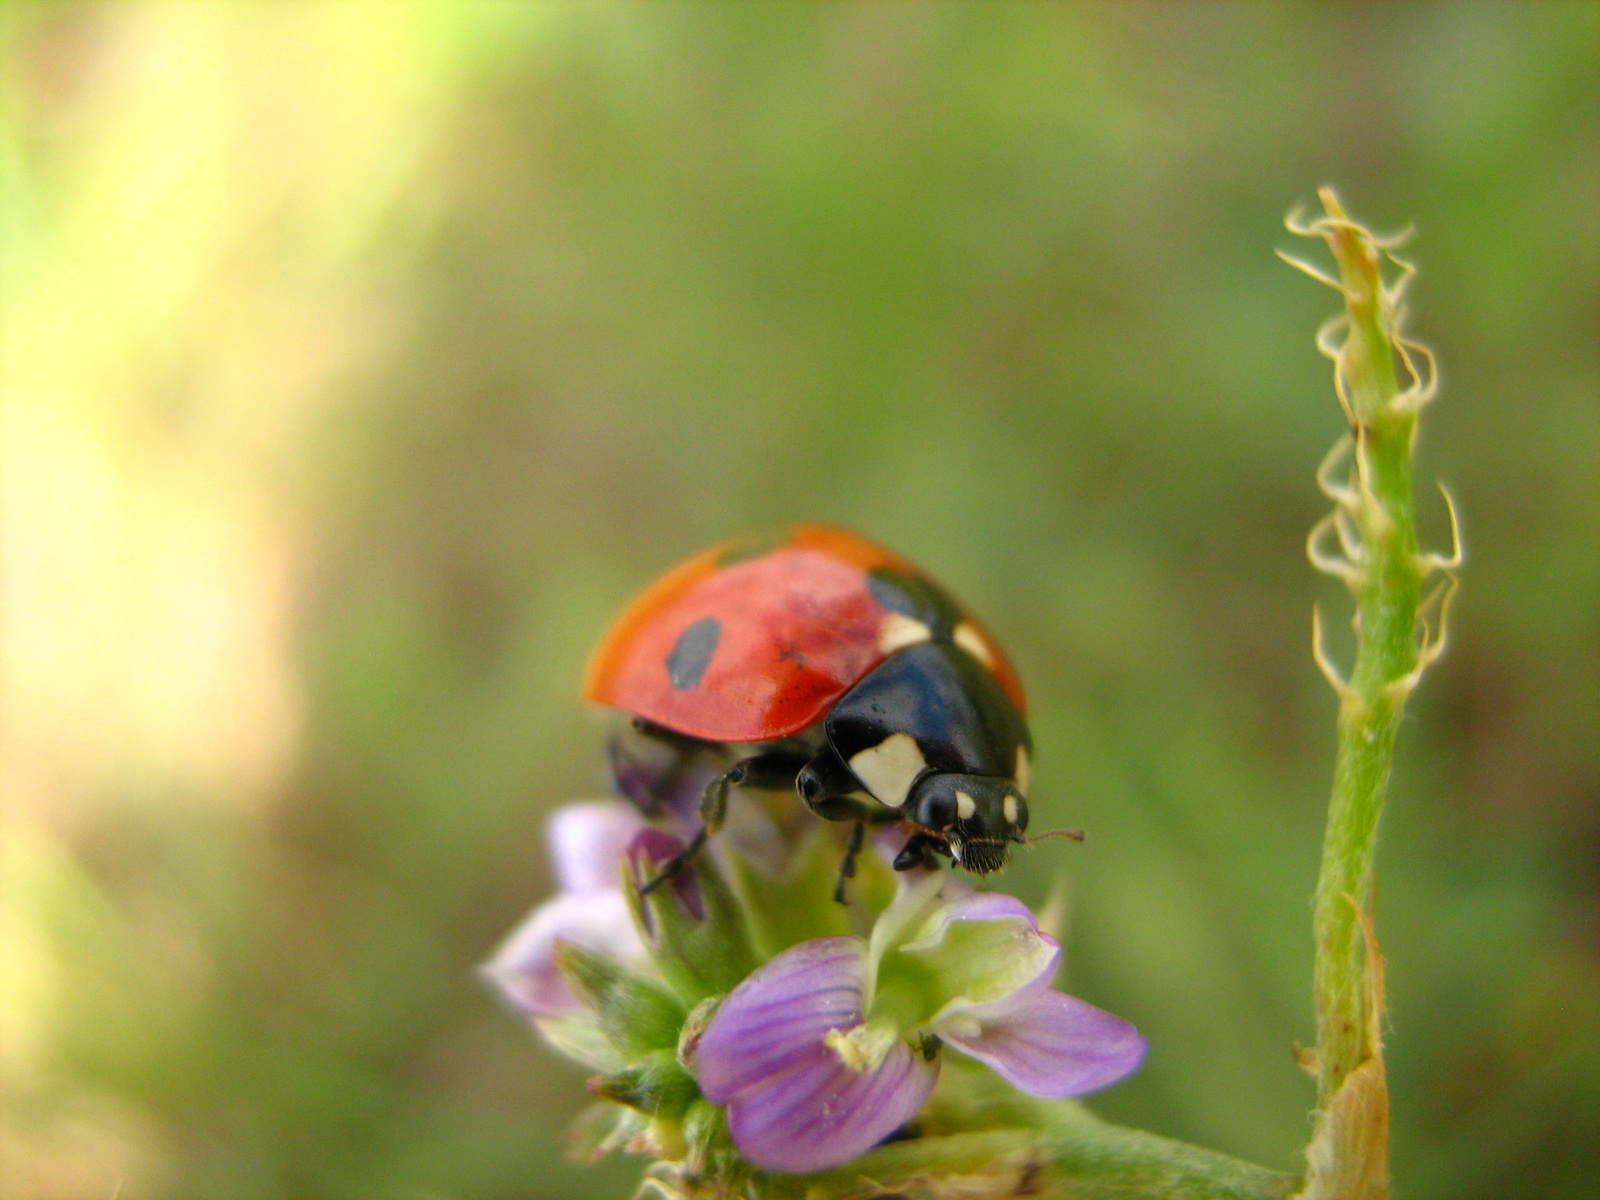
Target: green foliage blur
361, 359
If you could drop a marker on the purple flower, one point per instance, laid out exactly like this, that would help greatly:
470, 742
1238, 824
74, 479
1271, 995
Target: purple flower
587, 842
818, 1054
793, 1102
647, 850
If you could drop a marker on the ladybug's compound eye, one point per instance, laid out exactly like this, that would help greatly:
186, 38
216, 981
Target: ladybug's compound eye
807, 783
936, 810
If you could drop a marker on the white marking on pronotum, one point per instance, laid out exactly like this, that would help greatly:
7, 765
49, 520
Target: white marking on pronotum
899, 631
966, 806
1024, 772
1009, 807
890, 768
974, 643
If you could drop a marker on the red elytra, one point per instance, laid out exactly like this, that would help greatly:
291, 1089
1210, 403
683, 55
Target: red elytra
796, 628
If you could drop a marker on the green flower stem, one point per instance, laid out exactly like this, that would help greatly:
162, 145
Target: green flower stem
1065, 1154
984, 1140
1374, 525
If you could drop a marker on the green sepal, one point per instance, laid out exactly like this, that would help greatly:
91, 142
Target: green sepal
796, 904
601, 1129
710, 1147
636, 1014
657, 1085
698, 956
580, 1038
694, 1025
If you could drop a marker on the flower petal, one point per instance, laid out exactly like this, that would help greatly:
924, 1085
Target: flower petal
524, 968
960, 901
918, 896
586, 842
778, 1017
647, 850
1047, 1042
979, 947
966, 903
660, 779
822, 1113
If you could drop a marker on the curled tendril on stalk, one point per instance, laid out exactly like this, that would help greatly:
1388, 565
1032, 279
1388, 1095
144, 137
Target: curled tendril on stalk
1359, 516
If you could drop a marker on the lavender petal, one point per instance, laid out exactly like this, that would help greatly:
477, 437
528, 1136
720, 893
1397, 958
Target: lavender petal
586, 842
1047, 1042
823, 1113
777, 1018
647, 850
524, 968
968, 904
960, 902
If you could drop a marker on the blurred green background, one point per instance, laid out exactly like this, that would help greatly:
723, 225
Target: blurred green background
361, 359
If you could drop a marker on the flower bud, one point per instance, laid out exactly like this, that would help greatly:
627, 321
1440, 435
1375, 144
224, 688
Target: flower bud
656, 1084
693, 924
636, 1014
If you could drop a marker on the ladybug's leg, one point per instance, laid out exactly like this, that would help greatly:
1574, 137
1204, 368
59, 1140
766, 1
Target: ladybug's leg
847, 868
770, 770
829, 788
832, 791
918, 852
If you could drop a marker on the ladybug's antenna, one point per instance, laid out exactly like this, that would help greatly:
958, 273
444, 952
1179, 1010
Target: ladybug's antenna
1075, 834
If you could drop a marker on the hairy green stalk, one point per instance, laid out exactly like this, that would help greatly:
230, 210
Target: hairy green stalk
1076, 1159
1369, 541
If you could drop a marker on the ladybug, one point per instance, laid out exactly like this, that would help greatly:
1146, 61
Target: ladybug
817, 660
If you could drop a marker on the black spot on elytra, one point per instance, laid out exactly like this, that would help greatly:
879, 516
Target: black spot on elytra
693, 651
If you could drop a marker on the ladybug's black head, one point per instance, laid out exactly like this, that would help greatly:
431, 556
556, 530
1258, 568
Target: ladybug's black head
976, 816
